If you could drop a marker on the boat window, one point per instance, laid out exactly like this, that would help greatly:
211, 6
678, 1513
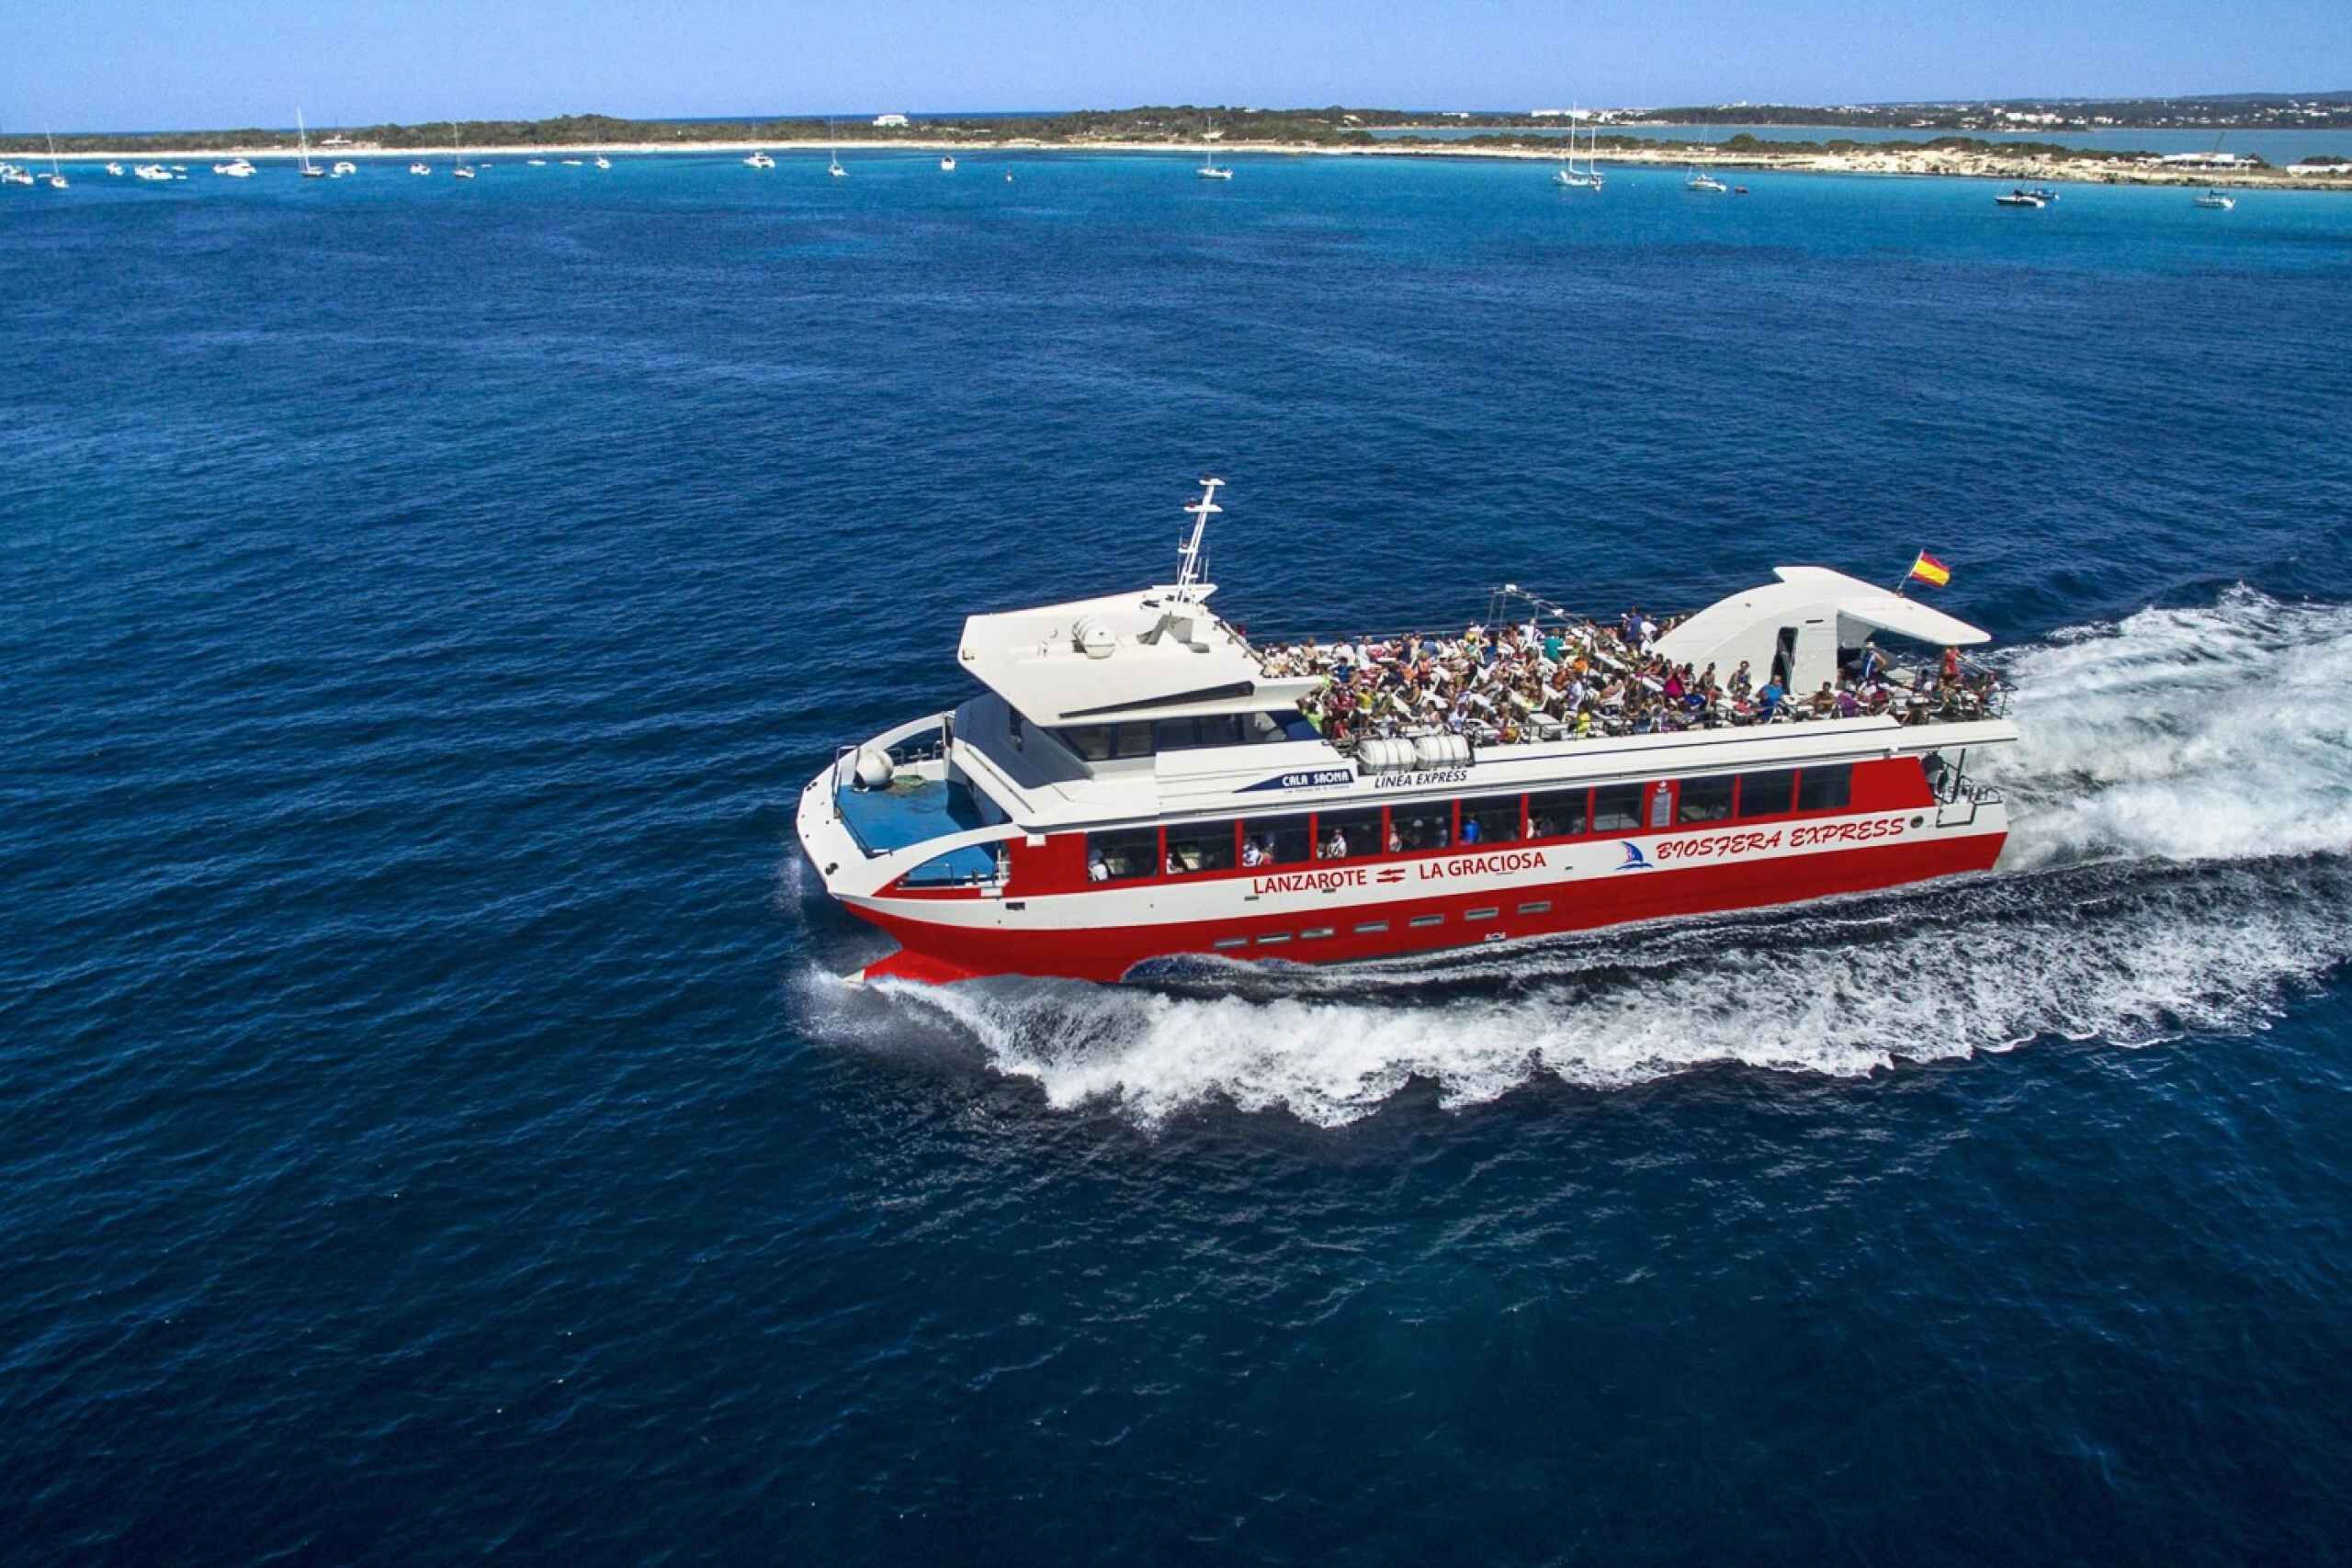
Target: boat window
1826, 789
1429, 826
1135, 739
1704, 800
973, 862
1281, 840
1091, 741
1496, 820
1767, 795
1206, 847
1114, 857
1203, 729
1282, 724
1616, 808
1347, 835
1557, 815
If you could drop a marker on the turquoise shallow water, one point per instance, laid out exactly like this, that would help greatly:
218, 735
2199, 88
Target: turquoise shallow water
427, 1127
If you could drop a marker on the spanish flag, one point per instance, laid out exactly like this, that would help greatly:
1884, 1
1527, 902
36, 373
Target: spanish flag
1928, 568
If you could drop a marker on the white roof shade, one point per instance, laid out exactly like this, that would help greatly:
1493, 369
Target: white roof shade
1124, 656
1746, 624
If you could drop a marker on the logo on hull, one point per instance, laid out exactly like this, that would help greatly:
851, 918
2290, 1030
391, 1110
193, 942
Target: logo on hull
1633, 859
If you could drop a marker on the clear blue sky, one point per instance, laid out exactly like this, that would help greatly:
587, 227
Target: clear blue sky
134, 64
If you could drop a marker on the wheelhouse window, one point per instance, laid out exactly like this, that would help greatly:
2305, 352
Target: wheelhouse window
1704, 800
1281, 724
1092, 742
1617, 808
1347, 835
1767, 795
1275, 840
1206, 846
1559, 814
1491, 821
1197, 730
1116, 857
1426, 827
1826, 789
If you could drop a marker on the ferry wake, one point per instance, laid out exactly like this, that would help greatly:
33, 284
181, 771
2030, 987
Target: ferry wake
1139, 781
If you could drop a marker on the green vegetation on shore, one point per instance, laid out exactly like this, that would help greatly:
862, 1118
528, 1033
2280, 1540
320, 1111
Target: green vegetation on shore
1180, 124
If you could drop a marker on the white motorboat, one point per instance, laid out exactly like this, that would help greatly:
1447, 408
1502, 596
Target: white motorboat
1699, 181
343, 166
536, 163
2214, 201
12, 175
235, 169
420, 168
604, 163
150, 172
2019, 198
115, 169
948, 164
573, 162
759, 160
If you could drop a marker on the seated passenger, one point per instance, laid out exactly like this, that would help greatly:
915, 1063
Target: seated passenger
1097, 868
1336, 846
1251, 855
1470, 830
1770, 698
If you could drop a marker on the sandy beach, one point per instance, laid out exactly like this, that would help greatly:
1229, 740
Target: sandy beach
1927, 162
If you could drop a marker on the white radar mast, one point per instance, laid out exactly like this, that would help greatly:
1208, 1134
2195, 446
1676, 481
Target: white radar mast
1188, 553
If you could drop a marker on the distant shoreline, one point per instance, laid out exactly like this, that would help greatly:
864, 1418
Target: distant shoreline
1860, 159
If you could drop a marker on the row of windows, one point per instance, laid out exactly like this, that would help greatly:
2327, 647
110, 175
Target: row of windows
1421, 827
1378, 928
1146, 737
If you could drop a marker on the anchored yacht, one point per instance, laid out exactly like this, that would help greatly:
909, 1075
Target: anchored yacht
1138, 781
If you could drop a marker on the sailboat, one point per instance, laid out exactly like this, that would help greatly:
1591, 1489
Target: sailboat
463, 171
1699, 181
1569, 174
56, 176
310, 171
834, 167
2213, 201
1209, 169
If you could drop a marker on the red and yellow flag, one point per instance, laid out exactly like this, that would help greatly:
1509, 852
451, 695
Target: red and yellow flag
1928, 568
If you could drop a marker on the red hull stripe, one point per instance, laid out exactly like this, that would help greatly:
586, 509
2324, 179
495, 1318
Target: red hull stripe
934, 951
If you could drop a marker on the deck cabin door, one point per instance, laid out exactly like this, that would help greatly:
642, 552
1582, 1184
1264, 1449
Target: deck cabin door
1784, 659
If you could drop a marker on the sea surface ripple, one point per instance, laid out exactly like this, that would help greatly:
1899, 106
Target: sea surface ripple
430, 1125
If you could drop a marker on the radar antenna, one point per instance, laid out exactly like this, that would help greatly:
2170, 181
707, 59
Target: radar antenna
1188, 553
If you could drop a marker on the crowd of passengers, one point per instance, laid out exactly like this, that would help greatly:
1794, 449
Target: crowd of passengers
1532, 681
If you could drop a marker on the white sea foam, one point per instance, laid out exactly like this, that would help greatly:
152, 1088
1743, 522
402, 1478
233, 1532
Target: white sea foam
2221, 732
2181, 810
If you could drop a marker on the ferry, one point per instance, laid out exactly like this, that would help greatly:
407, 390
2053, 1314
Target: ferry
1138, 781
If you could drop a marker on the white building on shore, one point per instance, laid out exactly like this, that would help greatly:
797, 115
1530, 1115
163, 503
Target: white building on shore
889, 121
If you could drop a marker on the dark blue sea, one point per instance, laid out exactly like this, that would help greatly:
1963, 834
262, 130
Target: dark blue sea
431, 1129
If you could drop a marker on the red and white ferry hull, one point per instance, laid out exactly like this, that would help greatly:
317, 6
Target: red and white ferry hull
1045, 918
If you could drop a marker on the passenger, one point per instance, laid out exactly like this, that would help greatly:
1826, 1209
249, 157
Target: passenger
1336, 847
1470, 834
1951, 667
1743, 685
1824, 702
1251, 854
1174, 867
1770, 698
1097, 868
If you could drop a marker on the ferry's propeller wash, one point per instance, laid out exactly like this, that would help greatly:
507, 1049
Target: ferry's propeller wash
1137, 781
